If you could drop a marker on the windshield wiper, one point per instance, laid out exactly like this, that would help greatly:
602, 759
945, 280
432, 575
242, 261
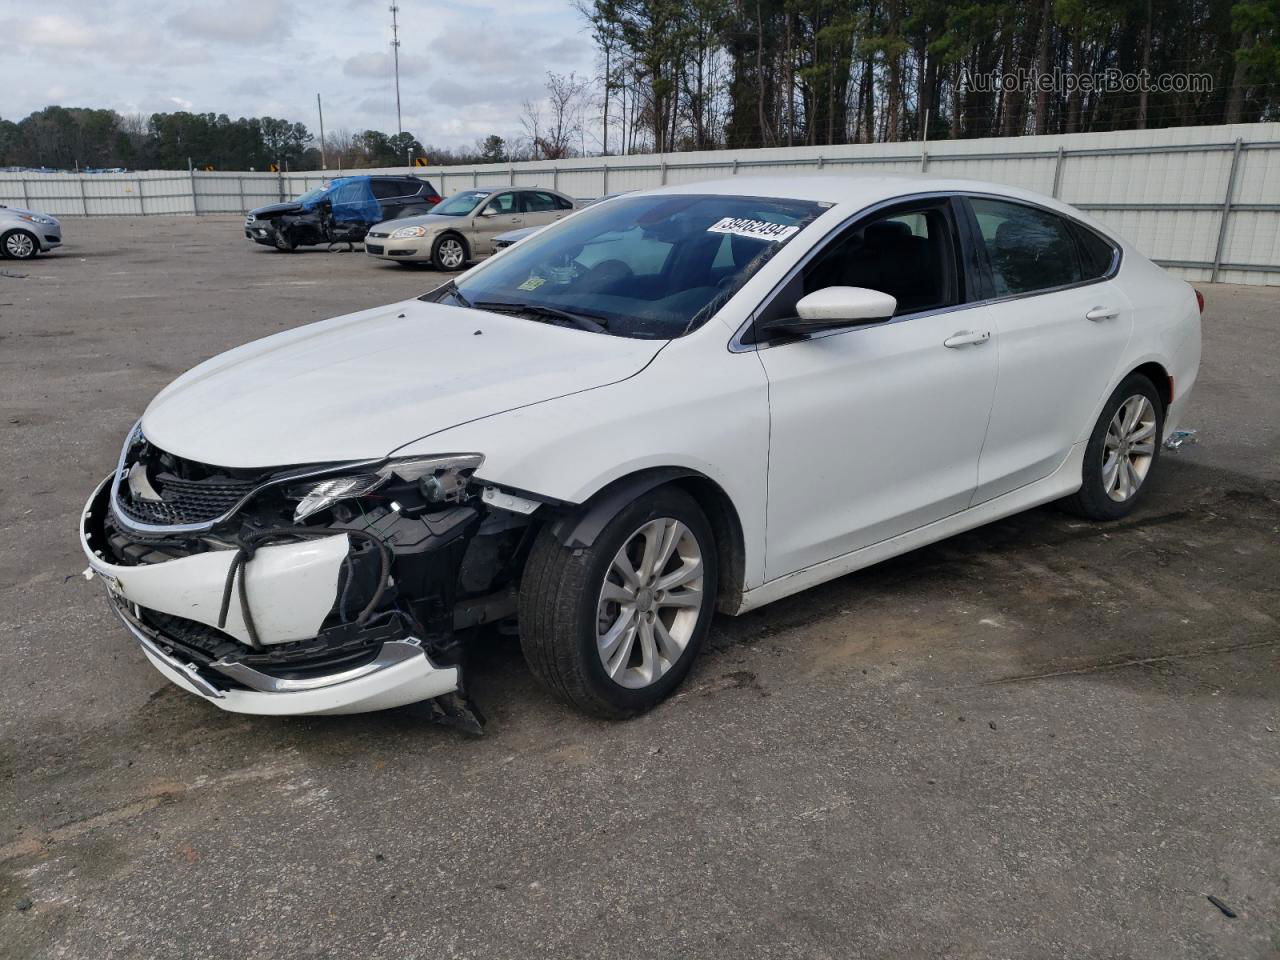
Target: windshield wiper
451, 288
583, 321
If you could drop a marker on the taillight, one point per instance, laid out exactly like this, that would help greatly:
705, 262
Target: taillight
1200, 300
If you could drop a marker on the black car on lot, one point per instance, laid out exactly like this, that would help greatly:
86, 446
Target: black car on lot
341, 211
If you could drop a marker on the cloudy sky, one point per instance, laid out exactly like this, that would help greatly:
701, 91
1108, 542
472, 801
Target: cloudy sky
465, 65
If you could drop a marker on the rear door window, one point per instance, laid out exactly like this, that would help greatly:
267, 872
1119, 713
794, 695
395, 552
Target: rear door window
535, 201
1029, 249
385, 189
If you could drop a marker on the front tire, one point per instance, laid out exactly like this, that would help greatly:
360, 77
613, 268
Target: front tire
614, 628
1122, 452
449, 253
284, 244
19, 245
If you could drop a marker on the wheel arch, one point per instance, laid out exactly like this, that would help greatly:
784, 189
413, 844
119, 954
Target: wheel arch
1159, 377
579, 526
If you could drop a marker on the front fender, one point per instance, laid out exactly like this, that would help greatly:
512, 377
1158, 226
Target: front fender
692, 412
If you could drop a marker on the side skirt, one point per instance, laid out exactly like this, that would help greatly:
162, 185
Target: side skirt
1062, 482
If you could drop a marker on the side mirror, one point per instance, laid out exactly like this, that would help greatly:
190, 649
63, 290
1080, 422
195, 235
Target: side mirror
832, 308
488, 212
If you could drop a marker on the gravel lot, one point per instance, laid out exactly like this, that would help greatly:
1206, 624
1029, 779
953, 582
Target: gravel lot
1044, 738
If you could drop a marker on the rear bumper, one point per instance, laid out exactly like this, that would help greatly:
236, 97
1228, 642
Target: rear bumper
291, 590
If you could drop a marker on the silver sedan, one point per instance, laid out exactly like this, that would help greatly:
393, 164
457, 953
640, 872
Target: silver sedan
462, 228
25, 233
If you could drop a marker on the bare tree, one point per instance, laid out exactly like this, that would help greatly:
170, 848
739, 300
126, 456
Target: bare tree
553, 137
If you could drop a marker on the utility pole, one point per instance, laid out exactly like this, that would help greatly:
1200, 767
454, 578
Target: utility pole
395, 52
319, 109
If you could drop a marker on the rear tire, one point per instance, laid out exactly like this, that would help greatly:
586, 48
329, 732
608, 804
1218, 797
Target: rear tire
1122, 452
19, 245
612, 628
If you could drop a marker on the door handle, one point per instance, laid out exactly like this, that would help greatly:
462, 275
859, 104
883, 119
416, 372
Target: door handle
965, 338
1098, 314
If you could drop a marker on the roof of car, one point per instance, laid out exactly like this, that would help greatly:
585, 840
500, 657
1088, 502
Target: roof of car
861, 190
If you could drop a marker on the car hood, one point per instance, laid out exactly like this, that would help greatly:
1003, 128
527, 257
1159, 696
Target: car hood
23, 212
428, 220
360, 386
276, 209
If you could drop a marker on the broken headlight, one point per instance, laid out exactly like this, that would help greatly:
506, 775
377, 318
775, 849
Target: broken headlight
406, 233
440, 479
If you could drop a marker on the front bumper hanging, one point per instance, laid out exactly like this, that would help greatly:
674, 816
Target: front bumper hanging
300, 580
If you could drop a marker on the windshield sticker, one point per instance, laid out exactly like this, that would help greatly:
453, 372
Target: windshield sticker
533, 283
755, 229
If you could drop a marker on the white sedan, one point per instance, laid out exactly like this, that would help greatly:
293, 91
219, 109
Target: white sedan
698, 398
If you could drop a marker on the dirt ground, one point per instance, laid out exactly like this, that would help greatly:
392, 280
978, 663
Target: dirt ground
1045, 738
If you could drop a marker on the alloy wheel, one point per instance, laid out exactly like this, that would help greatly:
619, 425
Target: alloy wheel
650, 603
450, 254
1129, 448
20, 246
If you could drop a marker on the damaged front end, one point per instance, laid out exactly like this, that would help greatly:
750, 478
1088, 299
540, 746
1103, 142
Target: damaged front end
324, 589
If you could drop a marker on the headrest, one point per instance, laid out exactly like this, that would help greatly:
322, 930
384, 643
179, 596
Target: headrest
886, 232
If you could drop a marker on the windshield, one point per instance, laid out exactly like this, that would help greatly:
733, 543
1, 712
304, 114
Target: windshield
460, 204
311, 196
654, 267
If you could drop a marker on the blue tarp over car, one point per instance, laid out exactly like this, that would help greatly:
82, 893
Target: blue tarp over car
351, 199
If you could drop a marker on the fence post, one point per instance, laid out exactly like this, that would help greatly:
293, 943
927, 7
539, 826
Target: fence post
735, 166
84, 202
240, 187
280, 186
26, 197
1057, 175
511, 175
1226, 211
924, 161
604, 167
555, 177
662, 165
142, 206
475, 177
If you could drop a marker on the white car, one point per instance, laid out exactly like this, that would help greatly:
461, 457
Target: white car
699, 398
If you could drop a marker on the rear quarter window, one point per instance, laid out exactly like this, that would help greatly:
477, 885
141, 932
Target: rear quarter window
1097, 254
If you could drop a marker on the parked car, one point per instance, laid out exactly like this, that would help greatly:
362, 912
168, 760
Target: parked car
349, 204
25, 233
705, 397
461, 229
512, 237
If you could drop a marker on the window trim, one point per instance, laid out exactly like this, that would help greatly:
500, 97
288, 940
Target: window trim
983, 256
964, 277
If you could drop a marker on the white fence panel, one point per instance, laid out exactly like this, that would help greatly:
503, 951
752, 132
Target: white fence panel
1204, 201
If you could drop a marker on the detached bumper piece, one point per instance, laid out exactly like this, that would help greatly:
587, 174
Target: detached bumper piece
399, 673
